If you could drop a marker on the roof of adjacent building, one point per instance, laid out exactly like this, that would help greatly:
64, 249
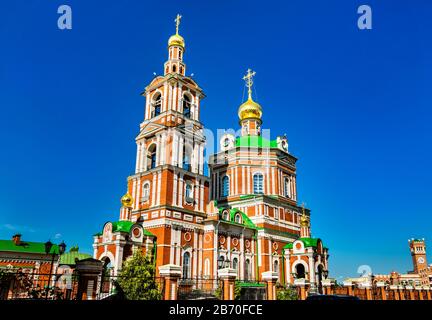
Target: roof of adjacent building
255, 141
69, 258
26, 247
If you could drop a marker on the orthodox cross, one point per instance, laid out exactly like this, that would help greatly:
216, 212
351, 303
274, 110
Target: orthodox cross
177, 21
248, 78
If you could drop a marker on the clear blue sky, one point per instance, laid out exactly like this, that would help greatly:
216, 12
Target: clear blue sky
354, 104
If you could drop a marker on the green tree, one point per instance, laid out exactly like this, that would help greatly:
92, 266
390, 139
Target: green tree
137, 278
288, 293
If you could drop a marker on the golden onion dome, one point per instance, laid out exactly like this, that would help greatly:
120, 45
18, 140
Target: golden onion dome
127, 200
176, 40
250, 110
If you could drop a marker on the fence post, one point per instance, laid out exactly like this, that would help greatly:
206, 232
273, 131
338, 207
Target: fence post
349, 286
270, 278
420, 292
327, 285
301, 283
368, 289
411, 292
381, 286
228, 277
170, 274
428, 293
395, 290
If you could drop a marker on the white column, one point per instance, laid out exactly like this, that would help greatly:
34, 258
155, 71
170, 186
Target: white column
174, 99
158, 150
143, 162
165, 99
159, 188
180, 201
175, 149
201, 157
243, 187
163, 148
138, 194
170, 97
273, 181
248, 178
180, 157
267, 177
153, 190
138, 157
196, 195
202, 197
147, 107
134, 189
175, 189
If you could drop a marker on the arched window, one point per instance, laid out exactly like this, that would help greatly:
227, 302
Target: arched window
247, 270
146, 191
237, 218
151, 157
225, 186
157, 104
287, 187
187, 157
186, 265
235, 263
189, 192
300, 271
186, 106
225, 215
258, 183
276, 266
174, 68
221, 261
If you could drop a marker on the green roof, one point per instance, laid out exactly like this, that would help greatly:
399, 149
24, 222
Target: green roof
124, 226
26, 247
255, 142
69, 257
308, 242
246, 221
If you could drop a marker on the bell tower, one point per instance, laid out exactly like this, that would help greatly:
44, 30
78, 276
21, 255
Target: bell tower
418, 254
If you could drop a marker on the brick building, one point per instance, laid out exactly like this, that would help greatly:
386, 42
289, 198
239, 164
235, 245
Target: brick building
243, 213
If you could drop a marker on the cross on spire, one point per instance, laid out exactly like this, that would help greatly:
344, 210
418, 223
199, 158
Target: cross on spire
177, 21
248, 78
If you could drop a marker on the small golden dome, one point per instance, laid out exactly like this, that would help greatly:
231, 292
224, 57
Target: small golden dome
176, 40
127, 200
250, 110
304, 221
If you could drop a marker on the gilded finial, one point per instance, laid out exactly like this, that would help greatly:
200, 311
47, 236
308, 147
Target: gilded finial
127, 200
248, 78
177, 21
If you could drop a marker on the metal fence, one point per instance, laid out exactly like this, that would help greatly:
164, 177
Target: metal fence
30, 285
199, 288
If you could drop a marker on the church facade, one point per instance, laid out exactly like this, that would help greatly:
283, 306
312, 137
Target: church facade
243, 214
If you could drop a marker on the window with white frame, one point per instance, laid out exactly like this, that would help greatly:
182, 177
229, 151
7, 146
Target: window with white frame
189, 192
287, 187
258, 183
225, 186
146, 191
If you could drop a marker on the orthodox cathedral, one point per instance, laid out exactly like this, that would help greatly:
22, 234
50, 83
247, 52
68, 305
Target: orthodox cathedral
243, 215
